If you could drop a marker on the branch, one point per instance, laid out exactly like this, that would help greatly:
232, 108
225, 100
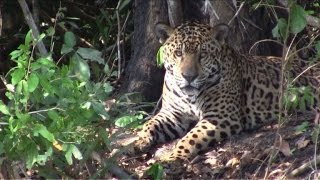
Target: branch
28, 16
305, 167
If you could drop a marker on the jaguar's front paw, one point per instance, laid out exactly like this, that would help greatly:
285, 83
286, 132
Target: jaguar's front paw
174, 166
139, 146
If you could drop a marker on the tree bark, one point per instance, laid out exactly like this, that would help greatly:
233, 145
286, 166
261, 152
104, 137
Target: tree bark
143, 75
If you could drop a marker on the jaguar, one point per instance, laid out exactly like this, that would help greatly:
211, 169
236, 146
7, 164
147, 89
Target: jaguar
211, 91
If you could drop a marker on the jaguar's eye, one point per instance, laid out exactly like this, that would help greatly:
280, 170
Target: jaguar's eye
178, 53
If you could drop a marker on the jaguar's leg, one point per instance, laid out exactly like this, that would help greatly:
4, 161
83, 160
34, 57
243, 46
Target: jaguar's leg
203, 136
162, 128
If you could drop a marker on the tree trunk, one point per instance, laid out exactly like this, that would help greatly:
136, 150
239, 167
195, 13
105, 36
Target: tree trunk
143, 75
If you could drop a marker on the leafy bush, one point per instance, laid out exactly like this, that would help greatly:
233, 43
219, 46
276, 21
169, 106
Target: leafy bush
54, 111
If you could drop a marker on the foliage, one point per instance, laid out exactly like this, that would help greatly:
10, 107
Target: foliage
298, 98
294, 97
160, 60
56, 115
155, 171
53, 110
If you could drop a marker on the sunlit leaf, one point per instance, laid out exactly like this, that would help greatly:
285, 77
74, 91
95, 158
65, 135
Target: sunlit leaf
28, 38
43, 131
17, 75
70, 150
156, 171
3, 108
33, 82
160, 60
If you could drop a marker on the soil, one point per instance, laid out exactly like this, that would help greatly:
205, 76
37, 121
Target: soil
271, 152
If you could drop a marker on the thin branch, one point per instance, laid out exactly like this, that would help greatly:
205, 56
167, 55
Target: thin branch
118, 39
265, 40
306, 166
307, 69
30, 21
236, 14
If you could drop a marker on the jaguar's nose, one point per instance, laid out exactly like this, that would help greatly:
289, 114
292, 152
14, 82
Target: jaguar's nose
190, 76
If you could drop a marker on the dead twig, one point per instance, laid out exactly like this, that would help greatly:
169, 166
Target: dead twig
305, 167
265, 40
236, 14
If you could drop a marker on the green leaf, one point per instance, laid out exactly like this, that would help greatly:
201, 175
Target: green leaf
106, 69
90, 54
28, 38
66, 49
99, 108
81, 68
32, 154
280, 30
47, 86
302, 105
50, 31
302, 127
125, 120
70, 150
69, 39
17, 75
160, 60
103, 134
33, 82
155, 171
43, 131
41, 36
317, 46
297, 18
315, 134
16, 53
26, 93
52, 114
42, 159
46, 61
3, 108
107, 88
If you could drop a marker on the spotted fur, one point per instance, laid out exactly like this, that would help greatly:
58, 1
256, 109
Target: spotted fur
211, 91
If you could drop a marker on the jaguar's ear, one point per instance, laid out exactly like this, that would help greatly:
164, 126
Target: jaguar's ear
163, 31
221, 32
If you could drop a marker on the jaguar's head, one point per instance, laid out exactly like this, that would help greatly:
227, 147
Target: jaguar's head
192, 54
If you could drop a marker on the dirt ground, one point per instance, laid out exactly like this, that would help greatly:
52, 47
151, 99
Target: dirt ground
271, 152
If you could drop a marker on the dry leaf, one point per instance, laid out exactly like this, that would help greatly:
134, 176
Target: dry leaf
285, 148
302, 142
109, 104
247, 157
233, 162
